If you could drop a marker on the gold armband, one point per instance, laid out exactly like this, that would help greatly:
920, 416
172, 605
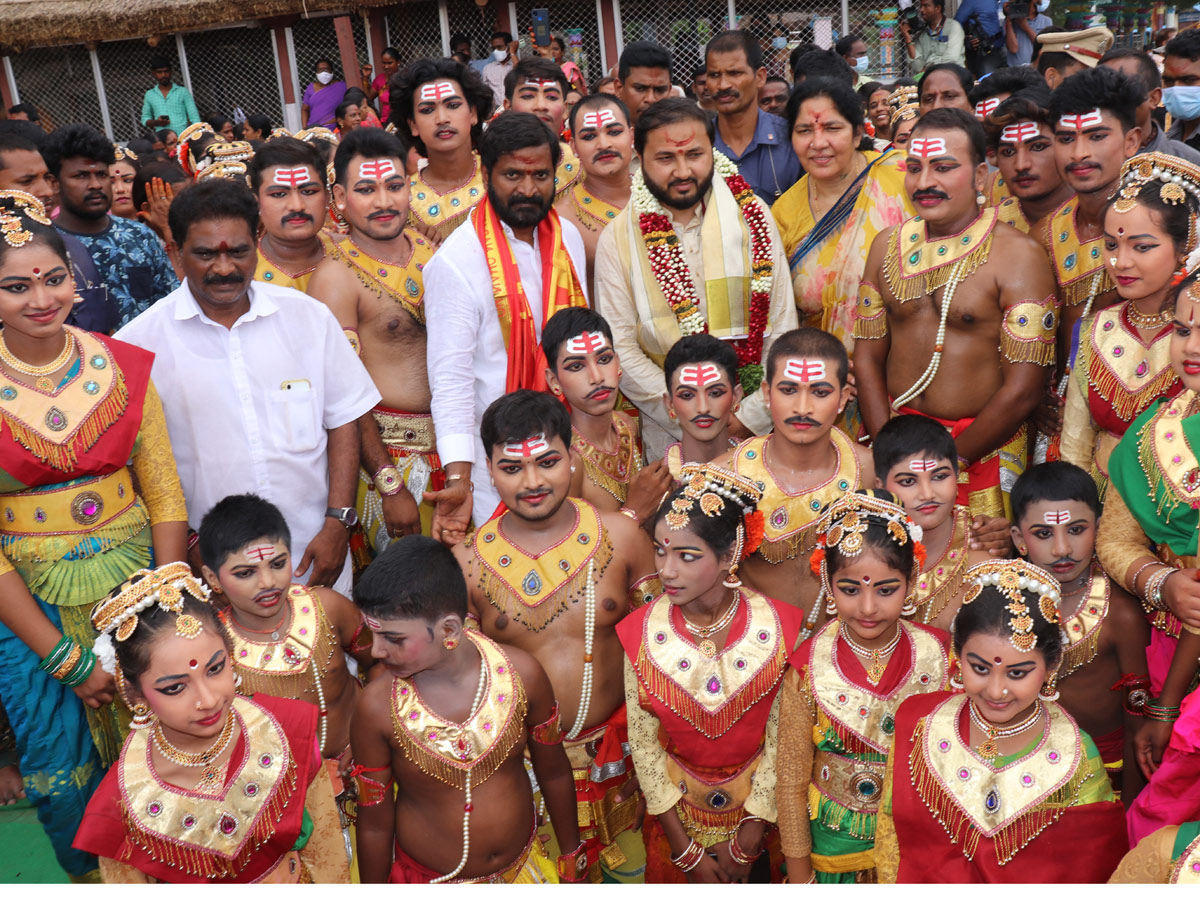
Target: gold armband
352, 337
550, 731
370, 791
1027, 333
870, 319
644, 590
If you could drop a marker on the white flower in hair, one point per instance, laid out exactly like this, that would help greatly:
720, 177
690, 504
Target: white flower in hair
106, 653
915, 531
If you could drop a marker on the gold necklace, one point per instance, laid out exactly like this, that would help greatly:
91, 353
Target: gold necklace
879, 657
708, 649
40, 373
989, 749
1141, 321
581, 197
212, 777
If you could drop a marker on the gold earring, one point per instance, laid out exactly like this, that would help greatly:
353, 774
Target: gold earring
450, 643
143, 717
671, 413
556, 391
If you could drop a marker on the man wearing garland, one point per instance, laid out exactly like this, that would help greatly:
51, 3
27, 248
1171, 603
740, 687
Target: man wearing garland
288, 179
373, 282
694, 251
1020, 134
442, 104
553, 576
538, 85
969, 304
490, 289
602, 138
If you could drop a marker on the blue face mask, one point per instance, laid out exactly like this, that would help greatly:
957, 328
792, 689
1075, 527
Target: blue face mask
779, 43
1182, 102
861, 63
1043, 6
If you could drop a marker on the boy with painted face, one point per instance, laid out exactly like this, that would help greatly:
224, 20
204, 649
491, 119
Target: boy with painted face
287, 640
553, 576
1020, 140
606, 446
703, 393
804, 464
1103, 676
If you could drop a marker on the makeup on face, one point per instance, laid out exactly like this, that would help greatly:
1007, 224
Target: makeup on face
923, 465
1081, 121
585, 343
292, 177
436, 90
1019, 132
984, 107
699, 375
926, 148
376, 169
598, 119
373, 624
527, 448
261, 552
804, 370
1056, 516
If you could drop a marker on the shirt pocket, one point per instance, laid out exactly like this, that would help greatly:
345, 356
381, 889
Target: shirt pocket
141, 282
294, 416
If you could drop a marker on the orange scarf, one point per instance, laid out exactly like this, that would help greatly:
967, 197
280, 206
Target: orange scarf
560, 289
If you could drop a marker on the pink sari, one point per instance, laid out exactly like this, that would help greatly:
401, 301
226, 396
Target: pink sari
1173, 795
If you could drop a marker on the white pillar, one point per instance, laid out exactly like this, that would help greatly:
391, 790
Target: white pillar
731, 12
616, 6
283, 107
512, 21
12, 78
291, 114
370, 43
444, 21
100, 95
183, 63
845, 17
599, 31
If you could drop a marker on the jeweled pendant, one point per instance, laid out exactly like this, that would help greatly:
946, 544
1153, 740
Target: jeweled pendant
707, 649
876, 670
44, 384
989, 749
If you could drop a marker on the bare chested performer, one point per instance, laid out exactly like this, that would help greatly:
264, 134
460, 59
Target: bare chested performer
970, 301
553, 576
373, 283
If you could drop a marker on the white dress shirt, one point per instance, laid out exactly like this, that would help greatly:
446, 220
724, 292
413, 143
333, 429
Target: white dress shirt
248, 407
467, 359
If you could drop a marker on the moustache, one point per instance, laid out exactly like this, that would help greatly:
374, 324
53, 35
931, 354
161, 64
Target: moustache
383, 212
703, 417
801, 420
931, 192
683, 182
94, 195
235, 278
727, 94
1064, 561
302, 216
534, 492
605, 154
599, 390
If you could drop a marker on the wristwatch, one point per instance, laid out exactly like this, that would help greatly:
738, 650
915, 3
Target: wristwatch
344, 514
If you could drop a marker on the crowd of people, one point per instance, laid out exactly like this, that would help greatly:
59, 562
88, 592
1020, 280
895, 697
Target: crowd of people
497, 481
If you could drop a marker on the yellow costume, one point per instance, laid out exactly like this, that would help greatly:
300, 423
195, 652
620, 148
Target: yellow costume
430, 210
273, 273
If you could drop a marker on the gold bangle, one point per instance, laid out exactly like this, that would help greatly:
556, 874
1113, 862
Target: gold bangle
68, 664
388, 481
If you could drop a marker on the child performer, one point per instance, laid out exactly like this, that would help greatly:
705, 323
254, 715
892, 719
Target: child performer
703, 393
838, 711
210, 786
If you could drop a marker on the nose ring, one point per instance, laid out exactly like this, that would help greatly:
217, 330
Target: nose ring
1004, 693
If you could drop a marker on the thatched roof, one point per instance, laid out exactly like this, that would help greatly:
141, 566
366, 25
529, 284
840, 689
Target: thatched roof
49, 23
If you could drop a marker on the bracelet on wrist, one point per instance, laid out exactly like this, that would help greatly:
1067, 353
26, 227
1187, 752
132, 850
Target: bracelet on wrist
388, 481
573, 867
1154, 588
82, 670
689, 858
1152, 710
1140, 569
738, 855
52, 659
626, 511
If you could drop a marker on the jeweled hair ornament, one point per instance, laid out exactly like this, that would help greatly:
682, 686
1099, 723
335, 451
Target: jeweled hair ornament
19, 206
706, 488
1172, 177
903, 103
123, 153
308, 135
1014, 578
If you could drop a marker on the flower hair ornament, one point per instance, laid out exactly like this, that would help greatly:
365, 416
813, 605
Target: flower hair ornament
844, 525
1014, 578
706, 490
903, 103
12, 227
1172, 179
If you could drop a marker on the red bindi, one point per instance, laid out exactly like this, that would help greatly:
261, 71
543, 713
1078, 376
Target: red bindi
997, 659
666, 542
223, 247
37, 271
192, 663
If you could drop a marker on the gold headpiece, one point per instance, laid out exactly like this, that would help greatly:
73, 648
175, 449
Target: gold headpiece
308, 134
193, 130
1174, 178
1014, 578
231, 171
903, 101
163, 587
12, 228
123, 153
279, 132
706, 487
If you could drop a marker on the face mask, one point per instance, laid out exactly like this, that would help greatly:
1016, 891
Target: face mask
1182, 102
500, 55
324, 77
779, 43
861, 63
1043, 5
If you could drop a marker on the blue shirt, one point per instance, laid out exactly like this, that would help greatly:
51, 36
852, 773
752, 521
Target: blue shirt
985, 11
768, 163
178, 106
1024, 45
131, 263
95, 310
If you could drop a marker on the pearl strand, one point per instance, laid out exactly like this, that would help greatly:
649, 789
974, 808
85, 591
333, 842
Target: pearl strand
324, 710
589, 634
939, 342
475, 704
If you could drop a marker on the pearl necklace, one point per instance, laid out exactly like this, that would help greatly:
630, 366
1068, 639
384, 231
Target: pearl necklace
810, 621
467, 808
708, 649
879, 657
926, 379
212, 776
40, 373
989, 749
589, 634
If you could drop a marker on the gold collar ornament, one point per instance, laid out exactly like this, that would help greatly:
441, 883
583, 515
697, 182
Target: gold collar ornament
1014, 578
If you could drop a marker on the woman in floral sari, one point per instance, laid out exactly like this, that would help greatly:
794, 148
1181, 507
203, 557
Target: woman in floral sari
830, 216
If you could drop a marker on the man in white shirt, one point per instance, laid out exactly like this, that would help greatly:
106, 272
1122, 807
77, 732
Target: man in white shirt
488, 291
261, 390
504, 57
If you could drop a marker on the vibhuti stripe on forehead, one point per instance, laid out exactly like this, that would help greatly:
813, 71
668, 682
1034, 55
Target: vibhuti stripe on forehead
586, 342
1056, 516
377, 169
927, 147
804, 370
261, 552
436, 90
527, 448
983, 107
1081, 121
923, 465
292, 177
598, 119
1019, 133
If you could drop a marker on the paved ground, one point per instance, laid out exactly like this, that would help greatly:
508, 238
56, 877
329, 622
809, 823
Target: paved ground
25, 854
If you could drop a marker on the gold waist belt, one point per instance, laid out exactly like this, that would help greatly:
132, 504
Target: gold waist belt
409, 431
853, 783
68, 509
713, 808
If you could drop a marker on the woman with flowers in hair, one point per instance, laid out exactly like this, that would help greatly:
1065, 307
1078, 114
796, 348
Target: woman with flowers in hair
210, 786
704, 662
998, 784
838, 711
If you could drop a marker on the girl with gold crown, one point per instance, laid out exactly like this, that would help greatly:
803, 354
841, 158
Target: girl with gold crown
210, 786
79, 418
704, 662
1122, 361
997, 784
840, 698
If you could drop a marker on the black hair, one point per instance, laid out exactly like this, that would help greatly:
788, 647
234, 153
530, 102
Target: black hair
373, 143
12, 139
822, 64
42, 234
511, 131
76, 140
1100, 87
392, 52
1186, 44
1017, 108
1008, 81
517, 416
1055, 59
416, 577
877, 538
866, 90
1176, 219
28, 108
778, 79
719, 531
404, 87
355, 95
501, 34
592, 101
732, 41
214, 198
940, 4
160, 61
284, 151
459, 37
327, 61
701, 348
843, 97
643, 55
812, 343
601, 83
668, 112
168, 170
1148, 73
236, 521
163, 132
797, 52
908, 435
947, 118
963, 74
568, 323
344, 107
1057, 481
846, 43
988, 613
133, 653
535, 68
141, 147
218, 122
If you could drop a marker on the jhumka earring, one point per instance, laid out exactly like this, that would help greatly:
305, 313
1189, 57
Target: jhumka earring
830, 606
731, 580
956, 682
909, 608
143, 717
1049, 690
